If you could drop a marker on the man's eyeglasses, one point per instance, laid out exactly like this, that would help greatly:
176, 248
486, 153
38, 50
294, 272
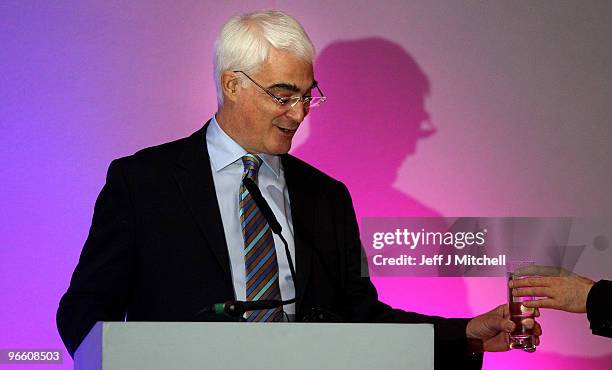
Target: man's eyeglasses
291, 101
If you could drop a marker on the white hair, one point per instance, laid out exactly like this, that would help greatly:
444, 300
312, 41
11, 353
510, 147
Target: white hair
245, 40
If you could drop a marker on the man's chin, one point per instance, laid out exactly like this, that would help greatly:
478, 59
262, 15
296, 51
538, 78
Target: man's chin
279, 148
280, 152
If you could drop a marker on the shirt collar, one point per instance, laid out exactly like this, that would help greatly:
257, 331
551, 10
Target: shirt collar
224, 151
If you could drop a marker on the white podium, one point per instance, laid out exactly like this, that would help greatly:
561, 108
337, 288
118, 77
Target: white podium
200, 345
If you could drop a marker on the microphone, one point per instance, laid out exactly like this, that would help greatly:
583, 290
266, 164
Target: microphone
236, 309
316, 314
270, 218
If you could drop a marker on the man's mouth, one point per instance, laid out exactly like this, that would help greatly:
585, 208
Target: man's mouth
287, 130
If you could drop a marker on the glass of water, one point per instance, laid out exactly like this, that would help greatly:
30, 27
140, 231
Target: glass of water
523, 317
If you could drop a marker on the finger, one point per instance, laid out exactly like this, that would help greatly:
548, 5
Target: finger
502, 310
509, 327
532, 292
501, 324
537, 341
531, 281
528, 323
536, 312
537, 330
541, 303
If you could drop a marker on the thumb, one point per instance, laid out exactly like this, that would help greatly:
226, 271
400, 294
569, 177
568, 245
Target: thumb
500, 324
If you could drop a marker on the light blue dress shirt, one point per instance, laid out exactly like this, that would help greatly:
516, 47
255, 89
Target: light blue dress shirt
227, 169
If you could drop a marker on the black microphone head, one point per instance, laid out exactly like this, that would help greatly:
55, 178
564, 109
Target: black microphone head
238, 308
234, 308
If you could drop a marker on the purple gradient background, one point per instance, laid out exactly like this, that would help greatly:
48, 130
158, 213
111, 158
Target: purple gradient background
519, 96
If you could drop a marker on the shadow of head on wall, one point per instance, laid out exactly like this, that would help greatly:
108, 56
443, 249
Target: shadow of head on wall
374, 116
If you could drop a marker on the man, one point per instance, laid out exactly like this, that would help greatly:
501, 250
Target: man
560, 289
174, 230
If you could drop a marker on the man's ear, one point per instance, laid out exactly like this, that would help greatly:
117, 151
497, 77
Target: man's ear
229, 84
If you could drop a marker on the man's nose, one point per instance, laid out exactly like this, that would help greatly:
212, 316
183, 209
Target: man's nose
297, 112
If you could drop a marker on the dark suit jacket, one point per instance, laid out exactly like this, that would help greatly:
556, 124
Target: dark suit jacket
156, 250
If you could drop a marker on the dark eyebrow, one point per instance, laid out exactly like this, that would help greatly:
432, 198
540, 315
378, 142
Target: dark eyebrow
290, 87
285, 86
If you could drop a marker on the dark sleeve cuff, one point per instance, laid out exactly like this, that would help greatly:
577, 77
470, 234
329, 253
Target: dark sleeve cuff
599, 308
452, 349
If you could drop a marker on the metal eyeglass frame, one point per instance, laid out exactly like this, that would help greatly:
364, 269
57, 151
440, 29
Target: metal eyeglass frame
282, 101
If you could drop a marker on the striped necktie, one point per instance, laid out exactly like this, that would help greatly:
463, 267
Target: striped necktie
259, 252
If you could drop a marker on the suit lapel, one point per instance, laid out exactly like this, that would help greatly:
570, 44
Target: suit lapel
194, 177
302, 213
